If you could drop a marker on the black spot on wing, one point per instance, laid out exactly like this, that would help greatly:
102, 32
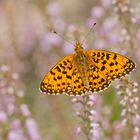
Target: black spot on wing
58, 68
69, 77
111, 64
102, 68
52, 72
108, 56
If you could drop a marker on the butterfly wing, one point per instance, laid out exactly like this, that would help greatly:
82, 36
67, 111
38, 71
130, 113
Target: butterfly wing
97, 81
111, 65
58, 79
63, 78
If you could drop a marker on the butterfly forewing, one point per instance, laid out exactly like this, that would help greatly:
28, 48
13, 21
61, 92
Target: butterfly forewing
111, 65
57, 80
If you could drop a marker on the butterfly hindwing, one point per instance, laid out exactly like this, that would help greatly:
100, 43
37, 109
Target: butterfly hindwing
97, 81
78, 87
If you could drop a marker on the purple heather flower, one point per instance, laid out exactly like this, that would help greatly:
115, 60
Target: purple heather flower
25, 110
32, 129
109, 23
20, 93
59, 25
16, 135
106, 3
10, 90
137, 119
113, 37
27, 39
12, 111
49, 40
100, 44
68, 48
11, 108
15, 76
54, 9
136, 133
97, 12
95, 131
94, 125
4, 68
16, 124
78, 130
3, 116
93, 98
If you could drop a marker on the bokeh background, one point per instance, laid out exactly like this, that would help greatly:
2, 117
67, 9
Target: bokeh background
29, 48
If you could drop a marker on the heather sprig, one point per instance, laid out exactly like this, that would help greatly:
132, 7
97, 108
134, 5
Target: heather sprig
89, 120
16, 121
128, 92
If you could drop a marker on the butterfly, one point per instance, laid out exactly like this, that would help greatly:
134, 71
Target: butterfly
85, 71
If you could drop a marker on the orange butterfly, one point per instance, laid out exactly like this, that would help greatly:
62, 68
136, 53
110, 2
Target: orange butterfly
84, 71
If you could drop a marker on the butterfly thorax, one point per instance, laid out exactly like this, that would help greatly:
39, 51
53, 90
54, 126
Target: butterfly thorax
81, 62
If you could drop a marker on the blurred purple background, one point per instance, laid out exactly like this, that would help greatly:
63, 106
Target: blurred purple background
29, 48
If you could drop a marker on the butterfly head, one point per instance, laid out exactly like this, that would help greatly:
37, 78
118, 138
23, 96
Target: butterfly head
78, 47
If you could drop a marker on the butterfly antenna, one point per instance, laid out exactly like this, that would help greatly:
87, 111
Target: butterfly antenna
63, 38
91, 29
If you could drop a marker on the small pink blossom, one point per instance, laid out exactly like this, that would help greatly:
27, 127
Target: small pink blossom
32, 129
136, 135
109, 23
15, 76
113, 37
68, 48
136, 119
93, 112
93, 98
95, 125
16, 124
106, 3
4, 68
20, 93
10, 90
100, 44
78, 130
16, 135
3, 116
97, 12
74, 100
95, 131
77, 113
48, 41
25, 110
11, 108
59, 25
54, 9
